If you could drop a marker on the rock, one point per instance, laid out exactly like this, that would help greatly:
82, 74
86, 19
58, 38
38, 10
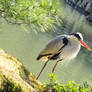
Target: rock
82, 6
14, 77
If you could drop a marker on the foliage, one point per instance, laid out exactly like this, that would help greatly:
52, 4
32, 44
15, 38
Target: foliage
39, 14
71, 86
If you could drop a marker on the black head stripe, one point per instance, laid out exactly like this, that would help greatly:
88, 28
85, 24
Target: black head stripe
77, 36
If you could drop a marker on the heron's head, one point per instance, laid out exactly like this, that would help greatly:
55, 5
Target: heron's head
78, 36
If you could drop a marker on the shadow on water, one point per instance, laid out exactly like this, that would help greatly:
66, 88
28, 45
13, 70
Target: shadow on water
26, 46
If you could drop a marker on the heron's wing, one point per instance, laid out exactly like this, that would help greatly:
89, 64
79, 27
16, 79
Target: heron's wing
52, 48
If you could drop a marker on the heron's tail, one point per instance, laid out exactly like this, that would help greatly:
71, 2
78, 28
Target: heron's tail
42, 58
38, 58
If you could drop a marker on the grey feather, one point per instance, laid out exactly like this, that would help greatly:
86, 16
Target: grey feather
52, 48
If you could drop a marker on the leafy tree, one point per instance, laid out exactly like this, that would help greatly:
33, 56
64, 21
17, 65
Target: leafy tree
39, 14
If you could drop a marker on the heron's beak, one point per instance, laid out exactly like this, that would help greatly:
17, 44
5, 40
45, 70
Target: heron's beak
84, 44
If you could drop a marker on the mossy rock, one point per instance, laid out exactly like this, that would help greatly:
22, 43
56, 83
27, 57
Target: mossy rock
14, 77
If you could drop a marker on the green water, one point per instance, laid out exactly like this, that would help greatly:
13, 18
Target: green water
26, 45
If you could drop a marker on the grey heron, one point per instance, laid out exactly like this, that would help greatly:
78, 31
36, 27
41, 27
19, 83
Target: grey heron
63, 47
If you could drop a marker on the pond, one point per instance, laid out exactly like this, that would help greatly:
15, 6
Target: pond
25, 44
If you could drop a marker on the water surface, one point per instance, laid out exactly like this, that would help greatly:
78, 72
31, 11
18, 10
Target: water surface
26, 46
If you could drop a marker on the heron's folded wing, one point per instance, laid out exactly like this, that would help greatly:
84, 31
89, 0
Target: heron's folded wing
52, 48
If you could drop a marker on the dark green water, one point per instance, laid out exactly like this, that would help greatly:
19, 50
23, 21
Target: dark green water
26, 45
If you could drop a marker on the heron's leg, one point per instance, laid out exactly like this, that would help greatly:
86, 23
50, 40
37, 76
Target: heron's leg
53, 69
42, 69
